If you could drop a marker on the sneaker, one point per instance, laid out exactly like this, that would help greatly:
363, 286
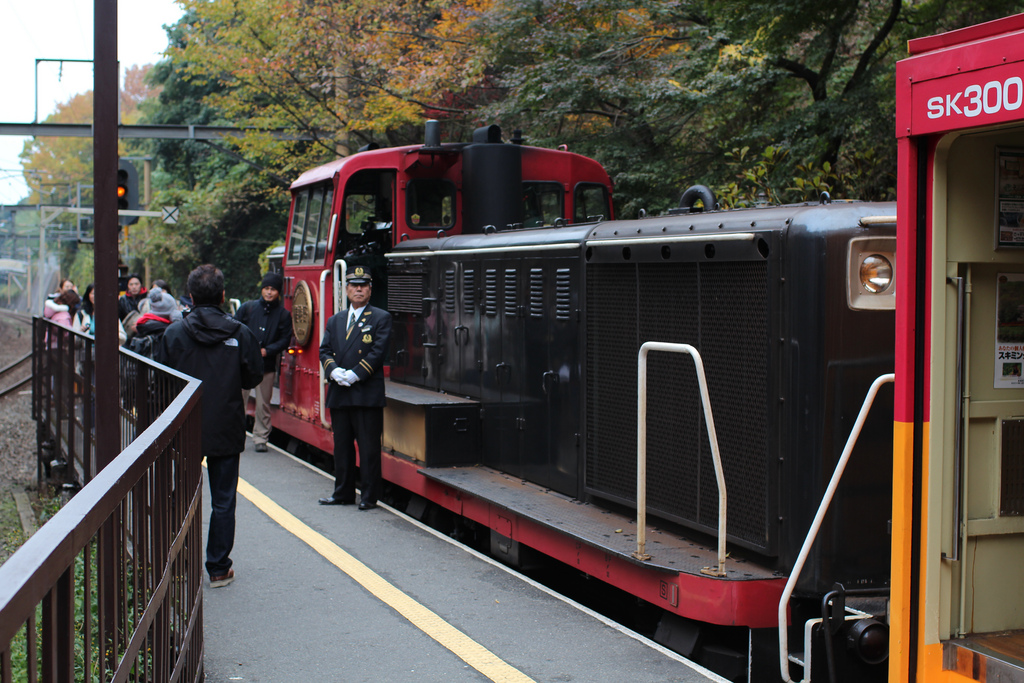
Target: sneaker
223, 579
261, 448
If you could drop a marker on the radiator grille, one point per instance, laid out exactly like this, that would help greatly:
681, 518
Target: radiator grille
722, 310
406, 292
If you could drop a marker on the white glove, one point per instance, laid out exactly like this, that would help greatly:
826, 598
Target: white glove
350, 377
338, 375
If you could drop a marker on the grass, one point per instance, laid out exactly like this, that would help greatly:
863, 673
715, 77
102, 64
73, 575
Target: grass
11, 535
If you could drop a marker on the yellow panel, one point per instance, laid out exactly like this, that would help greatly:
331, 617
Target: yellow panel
405, 430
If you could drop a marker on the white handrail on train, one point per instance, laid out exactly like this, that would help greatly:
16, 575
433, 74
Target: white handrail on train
805, 549
641, 448
338, 265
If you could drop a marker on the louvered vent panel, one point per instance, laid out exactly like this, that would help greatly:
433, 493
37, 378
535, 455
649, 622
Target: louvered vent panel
563, 294
536, 292
511, 292
449, 291
405, 293
468, 291
491, 292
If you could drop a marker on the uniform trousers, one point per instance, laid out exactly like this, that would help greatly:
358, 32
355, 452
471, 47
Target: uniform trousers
354, 426
222, 474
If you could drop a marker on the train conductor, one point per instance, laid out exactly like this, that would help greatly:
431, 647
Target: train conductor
352, 353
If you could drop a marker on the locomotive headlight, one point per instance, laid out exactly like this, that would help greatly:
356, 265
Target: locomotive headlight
871, 273
875, 273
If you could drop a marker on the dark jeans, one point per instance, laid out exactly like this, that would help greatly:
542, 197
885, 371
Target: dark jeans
362, 427
223, 476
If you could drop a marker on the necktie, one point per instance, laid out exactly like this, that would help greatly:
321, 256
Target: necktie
351, 322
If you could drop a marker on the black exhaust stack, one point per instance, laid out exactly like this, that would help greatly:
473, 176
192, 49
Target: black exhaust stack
492, 182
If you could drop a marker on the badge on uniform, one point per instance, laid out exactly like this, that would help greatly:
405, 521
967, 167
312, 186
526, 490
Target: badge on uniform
367, 339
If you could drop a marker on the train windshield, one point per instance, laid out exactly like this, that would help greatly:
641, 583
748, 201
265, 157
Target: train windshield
542, 203
368, 214
311, 221
590, 203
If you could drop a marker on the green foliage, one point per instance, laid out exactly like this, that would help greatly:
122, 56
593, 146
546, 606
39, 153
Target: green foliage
764, 101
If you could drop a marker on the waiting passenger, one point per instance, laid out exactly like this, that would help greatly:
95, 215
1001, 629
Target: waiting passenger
272, 325
211, 346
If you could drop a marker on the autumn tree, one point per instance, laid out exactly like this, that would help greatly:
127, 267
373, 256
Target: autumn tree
663, 93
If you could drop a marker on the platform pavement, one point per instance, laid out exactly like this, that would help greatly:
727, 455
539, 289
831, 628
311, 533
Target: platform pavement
292, 615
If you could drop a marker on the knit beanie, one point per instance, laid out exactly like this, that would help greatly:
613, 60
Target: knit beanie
273, 280
161, 304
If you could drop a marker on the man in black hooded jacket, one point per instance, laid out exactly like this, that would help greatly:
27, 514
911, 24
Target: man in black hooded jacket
272, 324
210, 345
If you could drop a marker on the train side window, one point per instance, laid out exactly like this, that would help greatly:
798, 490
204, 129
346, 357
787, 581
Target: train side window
325, 225
430, 204
298, 226
542, 203
316, 203
590, 201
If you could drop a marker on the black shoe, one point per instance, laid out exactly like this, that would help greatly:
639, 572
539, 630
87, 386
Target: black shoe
331, 500
367, 506
261, 448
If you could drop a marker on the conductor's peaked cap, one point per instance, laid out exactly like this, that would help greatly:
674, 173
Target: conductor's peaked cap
358, 275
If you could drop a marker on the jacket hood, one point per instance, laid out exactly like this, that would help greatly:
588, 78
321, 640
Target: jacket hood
209, 325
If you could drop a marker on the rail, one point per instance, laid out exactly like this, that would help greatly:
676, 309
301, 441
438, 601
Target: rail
15, 384
784, 657
641, 448
110, 589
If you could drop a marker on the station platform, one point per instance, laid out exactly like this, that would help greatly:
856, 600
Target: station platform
332, 593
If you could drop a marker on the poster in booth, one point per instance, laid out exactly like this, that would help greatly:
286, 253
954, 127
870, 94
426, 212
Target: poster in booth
1009, 330
1009, 197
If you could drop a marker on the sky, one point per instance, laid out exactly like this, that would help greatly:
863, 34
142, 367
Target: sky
62, 29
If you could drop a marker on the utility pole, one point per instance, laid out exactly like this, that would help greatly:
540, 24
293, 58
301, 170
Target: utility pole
105, 116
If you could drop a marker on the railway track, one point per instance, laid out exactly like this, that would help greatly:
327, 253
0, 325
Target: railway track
9, 382
12, 375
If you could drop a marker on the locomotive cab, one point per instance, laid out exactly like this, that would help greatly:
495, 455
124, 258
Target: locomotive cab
353, 211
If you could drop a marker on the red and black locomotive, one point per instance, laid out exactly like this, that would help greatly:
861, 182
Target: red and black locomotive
520, 307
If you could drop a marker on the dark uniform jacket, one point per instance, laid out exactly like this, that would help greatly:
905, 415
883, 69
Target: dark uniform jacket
364, 351
210, 345
272, 325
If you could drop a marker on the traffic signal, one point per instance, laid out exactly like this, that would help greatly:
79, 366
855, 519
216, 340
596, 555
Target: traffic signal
127, 191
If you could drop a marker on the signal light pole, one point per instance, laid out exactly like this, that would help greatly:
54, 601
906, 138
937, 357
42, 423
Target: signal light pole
127, 191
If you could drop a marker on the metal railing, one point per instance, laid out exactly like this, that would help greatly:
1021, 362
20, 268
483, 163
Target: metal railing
110, 589
784, 657
641, 449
